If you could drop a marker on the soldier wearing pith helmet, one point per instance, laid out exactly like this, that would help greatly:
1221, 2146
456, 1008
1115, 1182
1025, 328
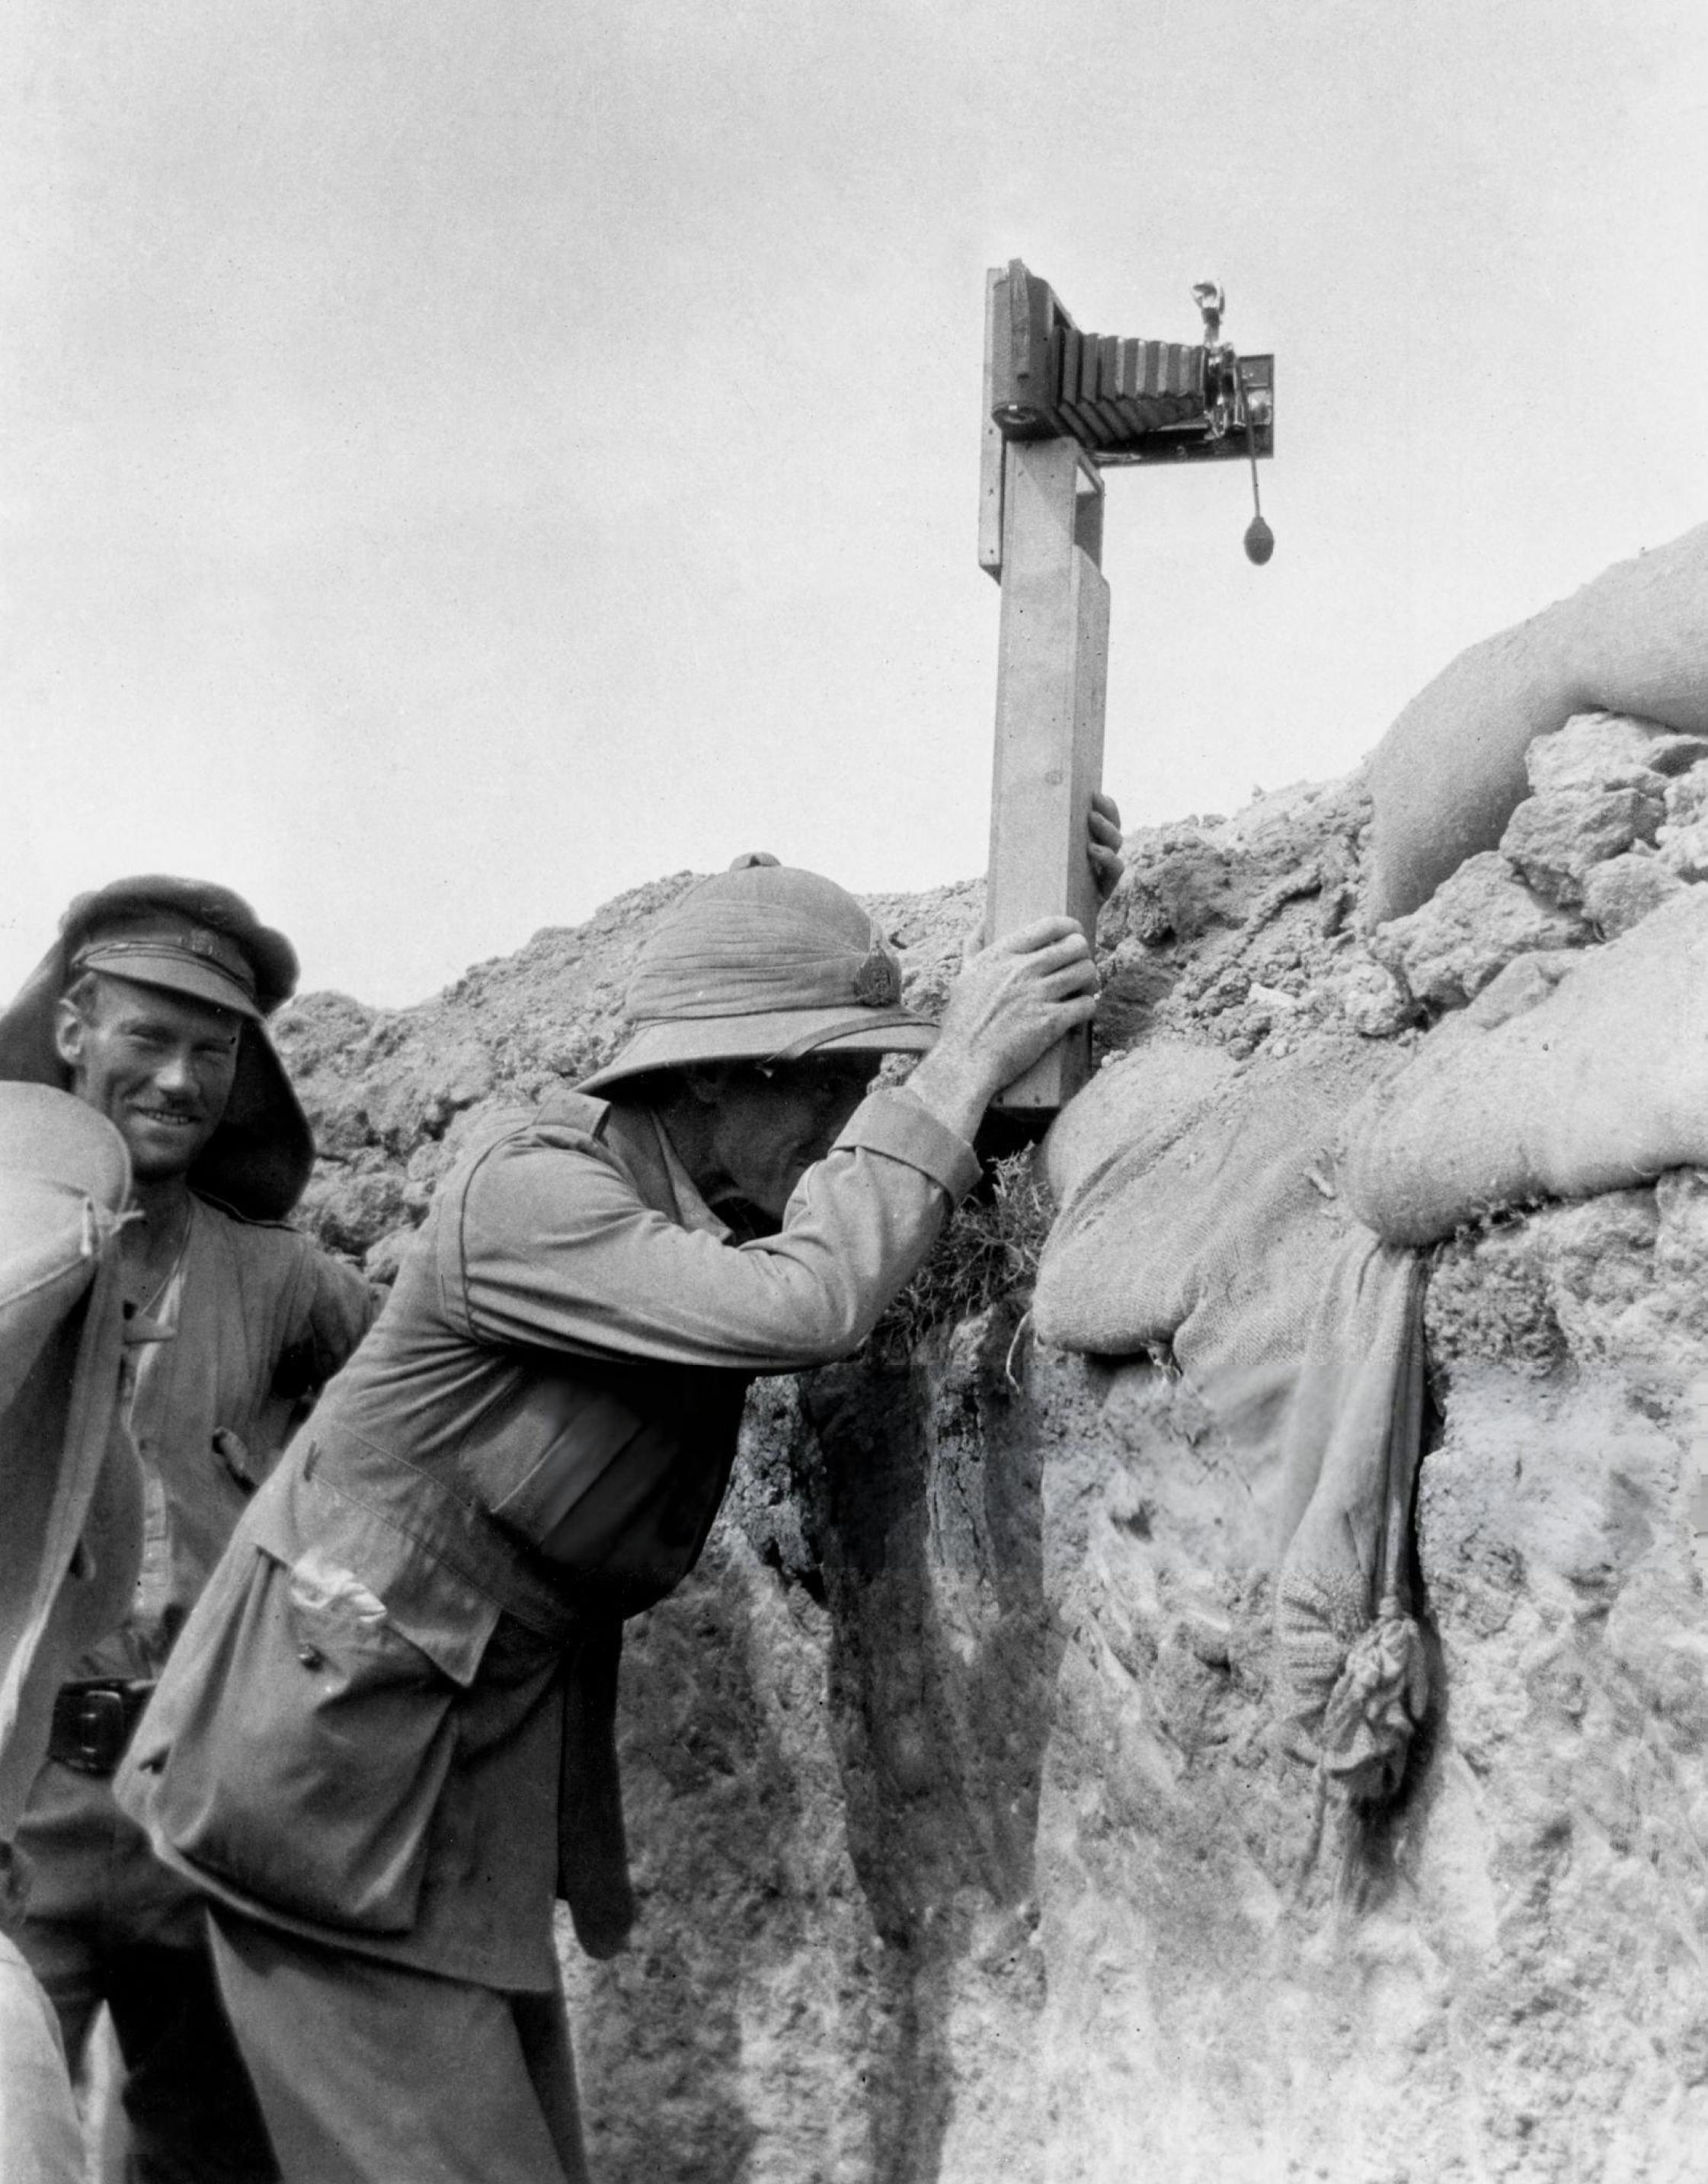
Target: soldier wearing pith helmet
385, 1742
151, 1007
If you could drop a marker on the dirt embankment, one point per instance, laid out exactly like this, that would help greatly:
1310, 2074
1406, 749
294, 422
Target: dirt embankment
965, 1842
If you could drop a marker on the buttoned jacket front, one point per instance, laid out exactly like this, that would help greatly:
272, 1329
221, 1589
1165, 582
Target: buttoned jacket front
360, 1737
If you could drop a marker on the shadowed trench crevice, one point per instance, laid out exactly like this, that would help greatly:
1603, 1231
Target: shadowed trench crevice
942, 1652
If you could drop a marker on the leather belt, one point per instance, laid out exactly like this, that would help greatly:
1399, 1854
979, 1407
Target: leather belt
92, 1722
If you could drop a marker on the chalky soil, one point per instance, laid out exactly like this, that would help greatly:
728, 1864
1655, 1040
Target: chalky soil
967, 1840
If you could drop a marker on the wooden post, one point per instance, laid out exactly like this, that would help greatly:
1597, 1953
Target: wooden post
990, 462
1060, 406
1051, 672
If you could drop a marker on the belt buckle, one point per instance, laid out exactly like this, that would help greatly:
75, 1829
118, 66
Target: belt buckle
98, 1725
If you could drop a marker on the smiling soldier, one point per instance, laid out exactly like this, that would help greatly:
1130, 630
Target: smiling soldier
150, 1009
385, 1741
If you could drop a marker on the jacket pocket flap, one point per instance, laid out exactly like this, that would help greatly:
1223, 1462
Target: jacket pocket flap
433, 1605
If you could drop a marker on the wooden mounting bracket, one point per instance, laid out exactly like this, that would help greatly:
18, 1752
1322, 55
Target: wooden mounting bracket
1060, 407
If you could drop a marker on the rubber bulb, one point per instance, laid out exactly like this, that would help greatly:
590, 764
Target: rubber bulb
1260, 541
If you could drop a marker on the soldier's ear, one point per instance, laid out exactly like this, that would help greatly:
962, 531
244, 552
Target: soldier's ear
70, 1031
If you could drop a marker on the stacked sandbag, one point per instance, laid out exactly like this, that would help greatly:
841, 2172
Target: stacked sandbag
1613, 827
1131, 1112
1568, 1075
1218, 1231
1206, 1233
1447, 776
1259, 1219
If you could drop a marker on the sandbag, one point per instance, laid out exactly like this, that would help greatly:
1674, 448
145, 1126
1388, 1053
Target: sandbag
1131, 1112
1569, 1074
1209, 1234
1449, 772
1220, 1231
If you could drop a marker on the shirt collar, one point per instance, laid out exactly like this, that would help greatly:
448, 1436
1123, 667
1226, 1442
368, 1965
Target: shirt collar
692, 1209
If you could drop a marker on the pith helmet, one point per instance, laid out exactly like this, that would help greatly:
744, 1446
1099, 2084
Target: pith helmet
193, 937
763, 963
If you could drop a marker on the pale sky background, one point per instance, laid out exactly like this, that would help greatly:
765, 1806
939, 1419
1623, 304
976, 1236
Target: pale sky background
461, 460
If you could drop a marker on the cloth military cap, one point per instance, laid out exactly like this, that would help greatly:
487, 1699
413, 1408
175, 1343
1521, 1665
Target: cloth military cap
191, 938
187, 936
763, 963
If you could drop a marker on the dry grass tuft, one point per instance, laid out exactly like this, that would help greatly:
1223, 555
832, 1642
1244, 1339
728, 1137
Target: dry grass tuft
989, 1250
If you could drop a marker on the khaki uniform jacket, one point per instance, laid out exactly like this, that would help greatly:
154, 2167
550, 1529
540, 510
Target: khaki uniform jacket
262, 1319
361, 1736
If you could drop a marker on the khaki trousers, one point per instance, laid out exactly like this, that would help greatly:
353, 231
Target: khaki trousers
370, 2072
41, 2141
107, 1922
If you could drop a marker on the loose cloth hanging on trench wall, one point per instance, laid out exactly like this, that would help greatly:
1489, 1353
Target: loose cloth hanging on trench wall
1221, 1232
1262, 1221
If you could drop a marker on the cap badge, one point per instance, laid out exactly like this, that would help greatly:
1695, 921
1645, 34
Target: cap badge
203, 943
878, 982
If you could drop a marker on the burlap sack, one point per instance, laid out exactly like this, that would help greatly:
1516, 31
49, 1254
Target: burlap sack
1220, 1231
1349, 1657
1210, 1231
1447, 776
1131, 1112
1569, 1074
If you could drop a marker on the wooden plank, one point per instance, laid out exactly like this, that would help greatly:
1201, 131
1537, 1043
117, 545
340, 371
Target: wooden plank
1051, 677
1088, 511
1032, 318
1023, 389
1006, 391
990, 465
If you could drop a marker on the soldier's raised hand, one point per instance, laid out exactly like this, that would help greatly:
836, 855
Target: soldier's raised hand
1011, 1003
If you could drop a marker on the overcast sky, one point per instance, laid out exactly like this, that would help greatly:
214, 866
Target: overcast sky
461, 460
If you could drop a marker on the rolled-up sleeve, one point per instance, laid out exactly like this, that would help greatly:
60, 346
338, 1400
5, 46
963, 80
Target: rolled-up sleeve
555, 1248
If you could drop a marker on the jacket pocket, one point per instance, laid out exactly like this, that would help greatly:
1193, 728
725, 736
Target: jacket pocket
300, 1742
